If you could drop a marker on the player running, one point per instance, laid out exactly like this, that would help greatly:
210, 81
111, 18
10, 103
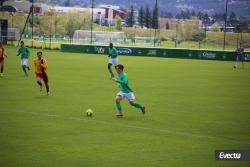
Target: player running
126, 91
2, 54
40, 71
25, 54
239, 56
113, 58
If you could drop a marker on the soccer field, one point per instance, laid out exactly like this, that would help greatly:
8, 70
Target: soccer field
194, 107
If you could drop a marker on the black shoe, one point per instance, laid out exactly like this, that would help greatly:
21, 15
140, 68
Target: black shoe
143, 110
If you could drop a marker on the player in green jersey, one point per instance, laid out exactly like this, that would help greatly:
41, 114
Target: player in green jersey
125, 92
25, 54
113, 58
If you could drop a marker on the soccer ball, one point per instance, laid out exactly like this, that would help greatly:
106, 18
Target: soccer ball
89, 112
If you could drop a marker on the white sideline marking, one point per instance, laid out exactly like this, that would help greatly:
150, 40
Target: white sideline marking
128, 126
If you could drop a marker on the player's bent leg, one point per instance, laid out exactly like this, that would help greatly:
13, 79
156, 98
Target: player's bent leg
39, 82
2, 67
24, 70
110, 70
47, 87
109, 66
118, 106
27, 66
46, 82
137, 105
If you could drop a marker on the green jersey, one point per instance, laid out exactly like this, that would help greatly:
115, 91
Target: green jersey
123, 81
113, 52
24, 51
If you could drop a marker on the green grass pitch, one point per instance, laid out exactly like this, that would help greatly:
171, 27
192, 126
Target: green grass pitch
193, 108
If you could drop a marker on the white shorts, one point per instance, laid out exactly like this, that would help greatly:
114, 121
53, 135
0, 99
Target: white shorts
113, 61
129, 96
24, 62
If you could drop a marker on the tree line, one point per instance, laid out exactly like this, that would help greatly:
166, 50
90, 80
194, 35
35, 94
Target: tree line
147, 17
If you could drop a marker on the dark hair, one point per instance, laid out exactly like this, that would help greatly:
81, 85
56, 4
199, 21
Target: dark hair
120, 66
110, 45
39, 52
22, 42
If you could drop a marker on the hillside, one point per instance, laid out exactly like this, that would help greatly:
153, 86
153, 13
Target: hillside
240, 7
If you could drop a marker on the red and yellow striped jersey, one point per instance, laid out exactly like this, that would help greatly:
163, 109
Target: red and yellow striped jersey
40, 66
1, 52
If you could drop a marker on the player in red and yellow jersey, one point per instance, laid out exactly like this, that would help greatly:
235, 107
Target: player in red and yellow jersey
40, 71
2, 54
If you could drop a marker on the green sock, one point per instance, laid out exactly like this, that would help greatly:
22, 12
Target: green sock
118, 105
137, 105
24, 70
110, 71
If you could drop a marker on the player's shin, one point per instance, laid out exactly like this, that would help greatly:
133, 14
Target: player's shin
39, 83
137, 105
110, 70
47, 87
118, 105
1, 68
24, 70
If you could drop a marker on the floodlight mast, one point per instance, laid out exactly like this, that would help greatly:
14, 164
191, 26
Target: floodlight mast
32, 26
225, 27
31, 12
156, 24
91, 26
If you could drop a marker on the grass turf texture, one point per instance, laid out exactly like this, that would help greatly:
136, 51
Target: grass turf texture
194, 107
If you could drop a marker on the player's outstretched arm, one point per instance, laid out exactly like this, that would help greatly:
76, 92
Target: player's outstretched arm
19, 52
114, 79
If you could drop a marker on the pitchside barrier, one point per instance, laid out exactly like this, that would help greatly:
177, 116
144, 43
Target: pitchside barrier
155, 52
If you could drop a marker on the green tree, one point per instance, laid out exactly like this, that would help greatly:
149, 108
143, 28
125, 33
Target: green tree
74, 20
232, 21
155, 22
46, 23
199, 35
141, 17
148, 20
167, 26
118, 22
85, 20
243, 26
187, 29
215, 27
59, 24
131, 21
72, 24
